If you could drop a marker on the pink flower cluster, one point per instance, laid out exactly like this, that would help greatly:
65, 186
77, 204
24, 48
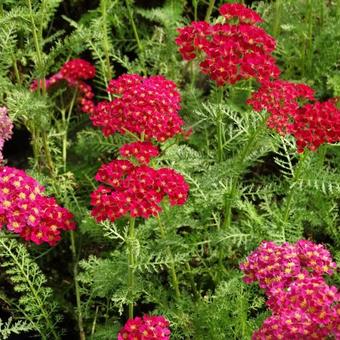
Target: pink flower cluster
304, 306
146, 328
146, 107
74, 72
6, 127
27, 212
142, 151
312, 124
230, 52
137, 190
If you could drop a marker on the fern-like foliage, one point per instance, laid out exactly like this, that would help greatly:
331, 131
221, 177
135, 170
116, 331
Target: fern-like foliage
35, 304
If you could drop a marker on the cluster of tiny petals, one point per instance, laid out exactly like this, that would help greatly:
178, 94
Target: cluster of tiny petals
230, 52
145, 328
135, 190
282, 99
142, 151
275, 265
146, 107
24, 209
293, 110
6, 127
239, 12
74, 72
304, 306
316, 124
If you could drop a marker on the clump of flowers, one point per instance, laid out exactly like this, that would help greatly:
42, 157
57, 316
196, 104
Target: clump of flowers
304, 306
6, 127
146, 107
24, 209
234, 50
137, 190
74, 72
293, 110
147, 327
316, 124
282, 99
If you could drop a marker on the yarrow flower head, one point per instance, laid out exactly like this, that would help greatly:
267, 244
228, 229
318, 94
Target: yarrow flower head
304, 306
316, 124
24, 209
146, 328
282, 100
146, 107
275, 265
142, 151
6, 127
74, 72
137, 190
230, 52
293, 110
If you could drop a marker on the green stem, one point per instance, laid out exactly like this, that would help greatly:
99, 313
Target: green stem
192, 282
49, 160
209, 10
242, 164
106, 47
195, 5
277, 18
173, 274
65, 126
131, 263
76, 287
135, 32
40, 63
308, 45
219, 127
291, 192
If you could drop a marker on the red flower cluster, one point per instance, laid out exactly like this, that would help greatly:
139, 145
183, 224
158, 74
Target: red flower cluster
241, 13
282, 99
146, 107
316, 124
146, 328
303, 305
312, 124
6, 127
142, 151
74, 72
25, 211
230, 52
137, 190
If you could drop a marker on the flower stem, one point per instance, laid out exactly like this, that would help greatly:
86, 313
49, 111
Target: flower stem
131, 263
76, 287
291, 192
135, 32
277, 18
219, 127
173, 274
209, 10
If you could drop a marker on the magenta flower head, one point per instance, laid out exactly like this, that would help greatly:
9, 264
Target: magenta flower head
231, 51
146, 328
303, 305
146, 107
6, 127
24, 209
